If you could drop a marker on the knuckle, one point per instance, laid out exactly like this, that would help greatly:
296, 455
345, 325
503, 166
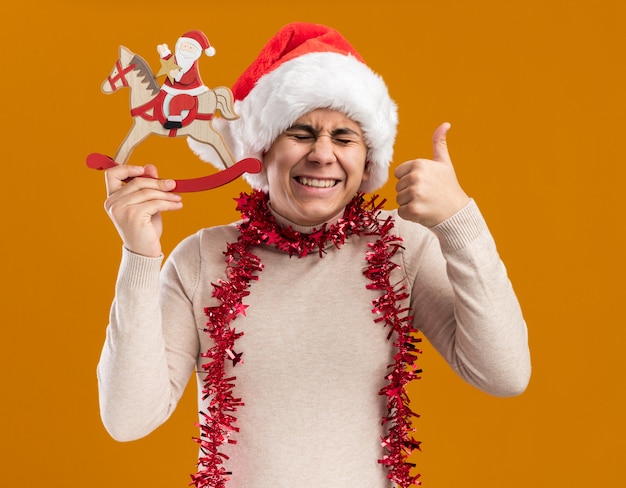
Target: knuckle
114, 209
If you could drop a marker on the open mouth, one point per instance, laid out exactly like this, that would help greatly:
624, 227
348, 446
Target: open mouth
315, 182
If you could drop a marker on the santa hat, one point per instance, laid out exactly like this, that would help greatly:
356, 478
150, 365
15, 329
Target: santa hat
198, 39
302, 68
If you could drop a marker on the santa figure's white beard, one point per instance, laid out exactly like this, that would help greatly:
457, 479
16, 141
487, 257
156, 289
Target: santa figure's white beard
185, 59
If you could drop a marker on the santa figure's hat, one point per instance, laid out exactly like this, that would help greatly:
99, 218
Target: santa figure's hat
198, 39
302, 68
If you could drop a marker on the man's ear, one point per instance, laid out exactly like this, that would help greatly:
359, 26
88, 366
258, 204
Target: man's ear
366, 172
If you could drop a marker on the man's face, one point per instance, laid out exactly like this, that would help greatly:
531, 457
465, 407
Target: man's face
315, 167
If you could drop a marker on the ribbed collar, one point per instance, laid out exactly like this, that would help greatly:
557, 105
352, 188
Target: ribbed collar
305, 229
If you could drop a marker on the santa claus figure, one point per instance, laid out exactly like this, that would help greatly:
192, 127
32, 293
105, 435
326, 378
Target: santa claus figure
183, 83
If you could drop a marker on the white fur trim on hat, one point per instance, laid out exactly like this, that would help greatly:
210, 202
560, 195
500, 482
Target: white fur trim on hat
300, 85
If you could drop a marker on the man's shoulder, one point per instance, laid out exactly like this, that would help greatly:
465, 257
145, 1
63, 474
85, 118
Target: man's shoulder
224, 232
405, 228
214, 237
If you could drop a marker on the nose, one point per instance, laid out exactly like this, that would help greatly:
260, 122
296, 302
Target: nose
323, 150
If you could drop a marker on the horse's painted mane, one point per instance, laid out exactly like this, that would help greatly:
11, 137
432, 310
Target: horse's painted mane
145, 72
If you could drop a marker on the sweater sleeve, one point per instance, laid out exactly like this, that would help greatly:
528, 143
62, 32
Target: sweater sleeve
465, 305
151, 344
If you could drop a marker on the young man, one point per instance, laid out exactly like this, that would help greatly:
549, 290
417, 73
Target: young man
299, 322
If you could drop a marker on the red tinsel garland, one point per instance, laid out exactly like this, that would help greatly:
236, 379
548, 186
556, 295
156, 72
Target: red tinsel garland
242, 266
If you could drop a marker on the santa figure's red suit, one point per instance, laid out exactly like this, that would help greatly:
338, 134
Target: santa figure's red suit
181, 92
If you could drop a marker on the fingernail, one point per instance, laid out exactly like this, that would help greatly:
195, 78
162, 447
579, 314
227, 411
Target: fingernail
170, 183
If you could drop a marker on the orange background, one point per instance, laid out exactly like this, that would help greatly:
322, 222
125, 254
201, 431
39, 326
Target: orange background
534, 90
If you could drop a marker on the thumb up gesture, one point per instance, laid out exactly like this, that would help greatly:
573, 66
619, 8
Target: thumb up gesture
428, 191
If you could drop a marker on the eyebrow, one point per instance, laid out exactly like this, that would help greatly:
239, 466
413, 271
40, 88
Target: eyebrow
335, 132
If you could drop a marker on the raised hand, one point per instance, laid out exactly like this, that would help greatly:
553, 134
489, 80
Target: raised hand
428, 191
163, 50
135, 207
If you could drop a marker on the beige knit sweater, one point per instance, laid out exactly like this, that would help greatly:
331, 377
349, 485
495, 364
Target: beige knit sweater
314, 361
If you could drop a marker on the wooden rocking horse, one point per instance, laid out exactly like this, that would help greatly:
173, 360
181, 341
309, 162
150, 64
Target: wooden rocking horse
149, 116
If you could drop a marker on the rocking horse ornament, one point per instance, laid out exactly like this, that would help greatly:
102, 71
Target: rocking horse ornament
182, 106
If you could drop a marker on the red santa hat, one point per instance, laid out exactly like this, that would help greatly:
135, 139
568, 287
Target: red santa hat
198, 39
302, 68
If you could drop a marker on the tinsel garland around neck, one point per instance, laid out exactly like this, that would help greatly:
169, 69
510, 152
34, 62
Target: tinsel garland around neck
258, 227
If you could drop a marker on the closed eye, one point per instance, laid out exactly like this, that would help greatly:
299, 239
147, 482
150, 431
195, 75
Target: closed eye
302, 137
343, 141
306, 133
300, 134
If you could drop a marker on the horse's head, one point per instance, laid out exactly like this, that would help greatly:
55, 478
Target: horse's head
131, 70
118, 77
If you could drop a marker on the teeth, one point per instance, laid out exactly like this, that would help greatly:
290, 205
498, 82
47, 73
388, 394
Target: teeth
316, 183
